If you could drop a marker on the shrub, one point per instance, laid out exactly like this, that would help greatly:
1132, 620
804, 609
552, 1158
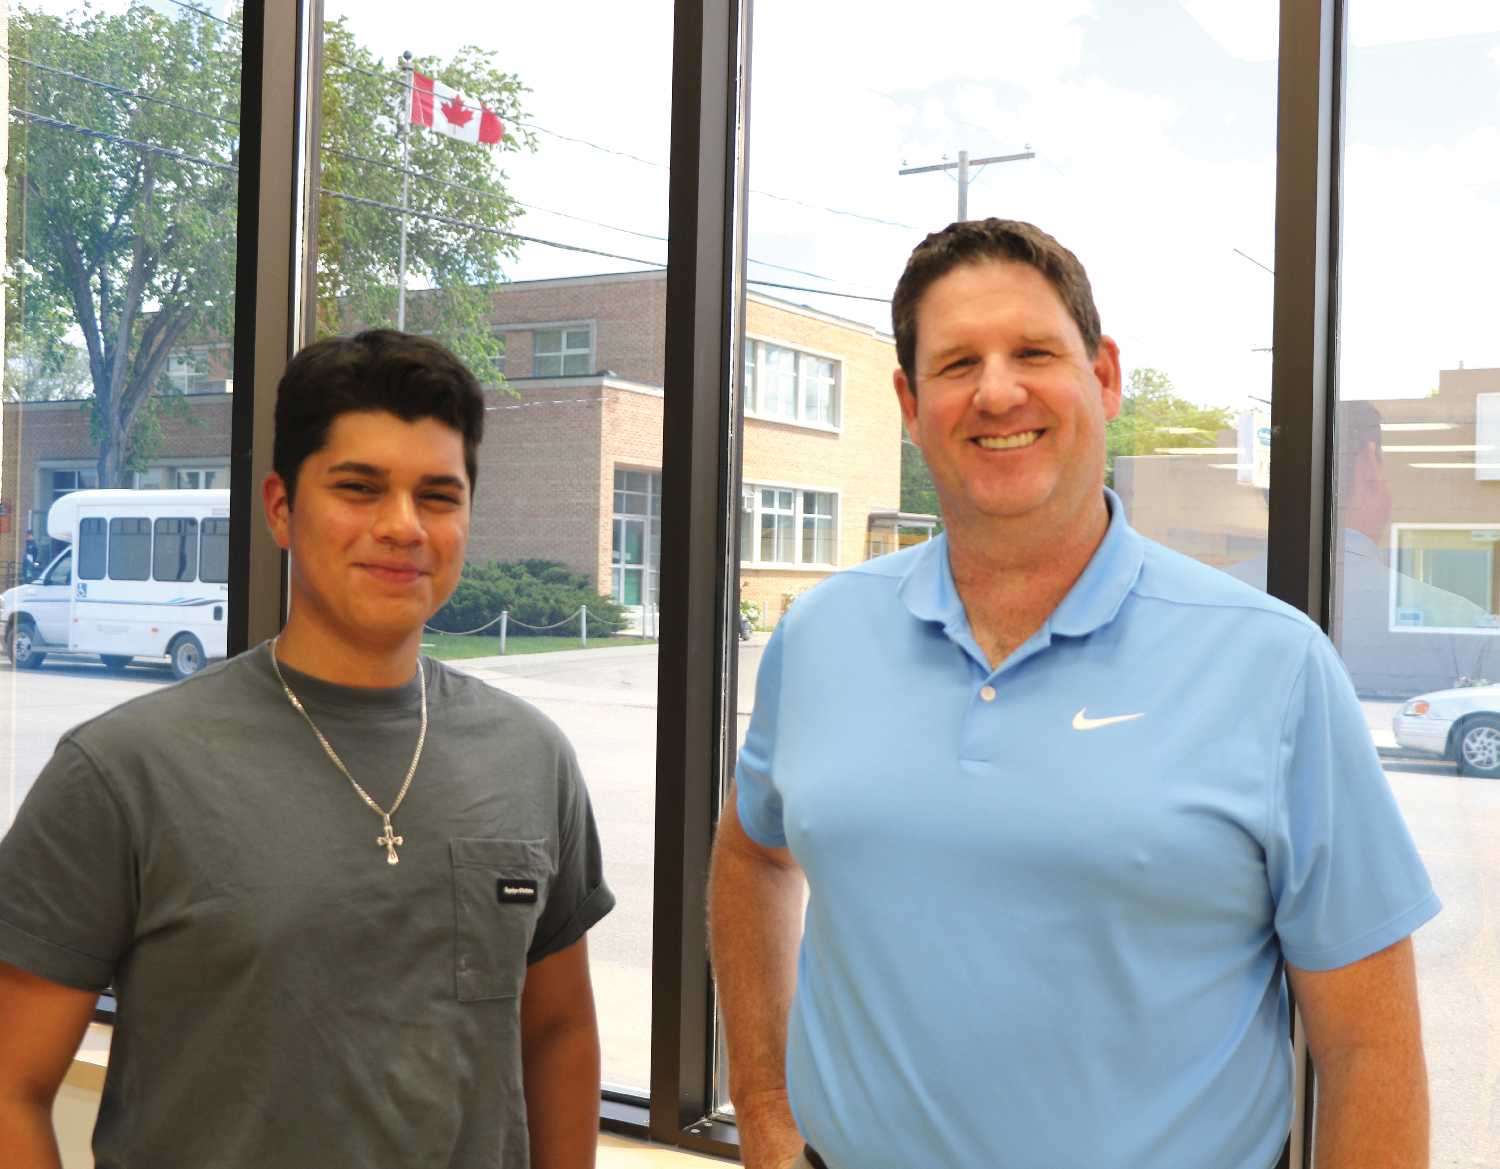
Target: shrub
536, 592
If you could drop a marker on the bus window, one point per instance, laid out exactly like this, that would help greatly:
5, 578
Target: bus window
176, 551
213, 561
130, 549
91, 549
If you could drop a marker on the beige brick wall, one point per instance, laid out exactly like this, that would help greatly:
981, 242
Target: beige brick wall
632, 441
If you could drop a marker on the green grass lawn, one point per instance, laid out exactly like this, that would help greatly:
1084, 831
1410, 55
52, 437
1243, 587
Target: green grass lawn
447, 646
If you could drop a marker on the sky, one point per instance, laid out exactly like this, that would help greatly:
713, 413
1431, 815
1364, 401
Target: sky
1153, 123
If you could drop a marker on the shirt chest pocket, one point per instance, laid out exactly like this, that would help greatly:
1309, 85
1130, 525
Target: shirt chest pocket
499, 889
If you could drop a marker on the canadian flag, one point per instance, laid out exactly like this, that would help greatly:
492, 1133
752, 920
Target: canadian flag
449, 112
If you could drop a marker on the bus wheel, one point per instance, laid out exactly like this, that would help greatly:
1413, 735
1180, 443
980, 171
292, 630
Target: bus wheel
187, 656
20, 642
114, 663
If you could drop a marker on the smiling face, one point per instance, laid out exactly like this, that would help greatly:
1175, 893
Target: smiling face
1009, 408
378, 531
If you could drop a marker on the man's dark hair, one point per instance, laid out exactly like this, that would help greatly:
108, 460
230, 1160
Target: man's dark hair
380, 369
974, 241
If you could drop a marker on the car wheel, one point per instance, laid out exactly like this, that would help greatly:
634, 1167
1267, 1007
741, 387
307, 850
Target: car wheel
1479, 747
20, 644
187, 656
114, 663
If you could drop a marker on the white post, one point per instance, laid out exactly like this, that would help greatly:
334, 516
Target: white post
504, 621
584, 625
403, 128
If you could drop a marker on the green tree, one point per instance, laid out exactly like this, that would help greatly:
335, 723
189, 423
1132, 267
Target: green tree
122, 202
917, 491
1152, 416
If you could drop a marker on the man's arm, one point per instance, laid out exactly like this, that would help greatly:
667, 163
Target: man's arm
1365, 1035
43, 1023
560, 1060
755, 922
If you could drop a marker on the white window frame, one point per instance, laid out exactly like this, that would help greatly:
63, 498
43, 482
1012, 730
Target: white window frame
750, 492
1395, 574
562, 329
651, 547
755, 369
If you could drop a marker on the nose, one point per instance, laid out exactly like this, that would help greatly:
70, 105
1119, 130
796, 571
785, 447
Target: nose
998, 388
397, 521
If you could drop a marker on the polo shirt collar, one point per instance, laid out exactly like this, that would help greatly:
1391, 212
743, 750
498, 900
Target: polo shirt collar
929, 594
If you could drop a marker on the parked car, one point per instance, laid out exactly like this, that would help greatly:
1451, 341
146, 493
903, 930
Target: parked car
1462, 725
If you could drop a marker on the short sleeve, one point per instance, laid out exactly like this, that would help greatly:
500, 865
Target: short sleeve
759, 803
67, 877
1344, 872
578, 897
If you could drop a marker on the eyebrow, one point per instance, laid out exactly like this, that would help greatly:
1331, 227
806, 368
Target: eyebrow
370, 471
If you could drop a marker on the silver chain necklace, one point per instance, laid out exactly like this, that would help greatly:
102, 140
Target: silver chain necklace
389, 839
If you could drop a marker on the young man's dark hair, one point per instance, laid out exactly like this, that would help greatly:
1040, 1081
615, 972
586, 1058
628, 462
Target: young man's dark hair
976, 240
380, 369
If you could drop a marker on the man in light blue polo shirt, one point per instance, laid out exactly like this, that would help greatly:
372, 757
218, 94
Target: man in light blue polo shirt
1069, 806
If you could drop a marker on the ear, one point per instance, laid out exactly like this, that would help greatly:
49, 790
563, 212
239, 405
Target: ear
278, 507
1107, 371
906, 396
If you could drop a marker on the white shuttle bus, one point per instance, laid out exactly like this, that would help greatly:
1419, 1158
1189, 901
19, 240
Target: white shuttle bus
146, 575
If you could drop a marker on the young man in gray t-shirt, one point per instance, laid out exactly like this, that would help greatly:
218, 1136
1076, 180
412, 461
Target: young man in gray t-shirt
340, 891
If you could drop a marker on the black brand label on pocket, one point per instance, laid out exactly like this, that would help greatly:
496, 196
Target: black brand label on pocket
516, 890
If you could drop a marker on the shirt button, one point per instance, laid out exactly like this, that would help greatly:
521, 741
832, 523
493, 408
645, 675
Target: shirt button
987, 693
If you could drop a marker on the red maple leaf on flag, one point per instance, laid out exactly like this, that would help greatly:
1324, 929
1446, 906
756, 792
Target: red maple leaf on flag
456, 112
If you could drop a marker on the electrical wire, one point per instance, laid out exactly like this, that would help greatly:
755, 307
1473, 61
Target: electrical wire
121, 90
101, 135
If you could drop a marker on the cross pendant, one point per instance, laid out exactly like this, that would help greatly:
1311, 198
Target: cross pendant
390, 840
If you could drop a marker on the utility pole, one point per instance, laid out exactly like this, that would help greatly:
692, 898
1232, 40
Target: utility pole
965, 166
403, 128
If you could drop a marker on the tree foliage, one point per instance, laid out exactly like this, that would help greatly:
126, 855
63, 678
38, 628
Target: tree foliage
1152, 416
123, 199
917, 491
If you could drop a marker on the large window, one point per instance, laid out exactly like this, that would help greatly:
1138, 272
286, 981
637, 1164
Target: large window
785, 526
790, 386
535, 257
1416, 576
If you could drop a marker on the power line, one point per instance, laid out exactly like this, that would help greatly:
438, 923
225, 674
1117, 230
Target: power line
654, 162
820, 291
397, 168
207, 15
103, 136
121, 90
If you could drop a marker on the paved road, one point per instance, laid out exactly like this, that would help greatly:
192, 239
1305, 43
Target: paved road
605, 700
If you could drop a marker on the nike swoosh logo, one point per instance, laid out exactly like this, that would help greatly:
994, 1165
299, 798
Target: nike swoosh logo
1081, 722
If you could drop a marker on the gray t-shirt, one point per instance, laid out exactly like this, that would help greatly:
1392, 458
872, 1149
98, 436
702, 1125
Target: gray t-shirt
286, 997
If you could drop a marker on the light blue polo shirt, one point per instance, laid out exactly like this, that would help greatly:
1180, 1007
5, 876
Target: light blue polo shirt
1050, 902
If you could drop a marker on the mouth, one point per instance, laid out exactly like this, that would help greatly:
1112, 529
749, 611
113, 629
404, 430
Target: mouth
1007, 442
395, 573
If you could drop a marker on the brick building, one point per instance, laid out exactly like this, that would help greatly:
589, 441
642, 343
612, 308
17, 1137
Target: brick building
571, 465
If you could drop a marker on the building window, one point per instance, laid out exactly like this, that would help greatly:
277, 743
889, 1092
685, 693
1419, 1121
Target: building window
562, 352
772, 518
1445, 577
789, 385
199, 478
635, 553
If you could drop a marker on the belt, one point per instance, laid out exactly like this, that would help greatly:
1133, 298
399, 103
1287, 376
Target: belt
810, 1154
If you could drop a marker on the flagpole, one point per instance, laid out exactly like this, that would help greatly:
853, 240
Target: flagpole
403, 127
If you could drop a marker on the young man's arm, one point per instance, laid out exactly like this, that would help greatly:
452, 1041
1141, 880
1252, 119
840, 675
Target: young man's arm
755, 922
1365, 1035
42, 1023
560, 1060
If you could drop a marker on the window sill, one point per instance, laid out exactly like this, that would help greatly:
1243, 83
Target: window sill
815, 427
